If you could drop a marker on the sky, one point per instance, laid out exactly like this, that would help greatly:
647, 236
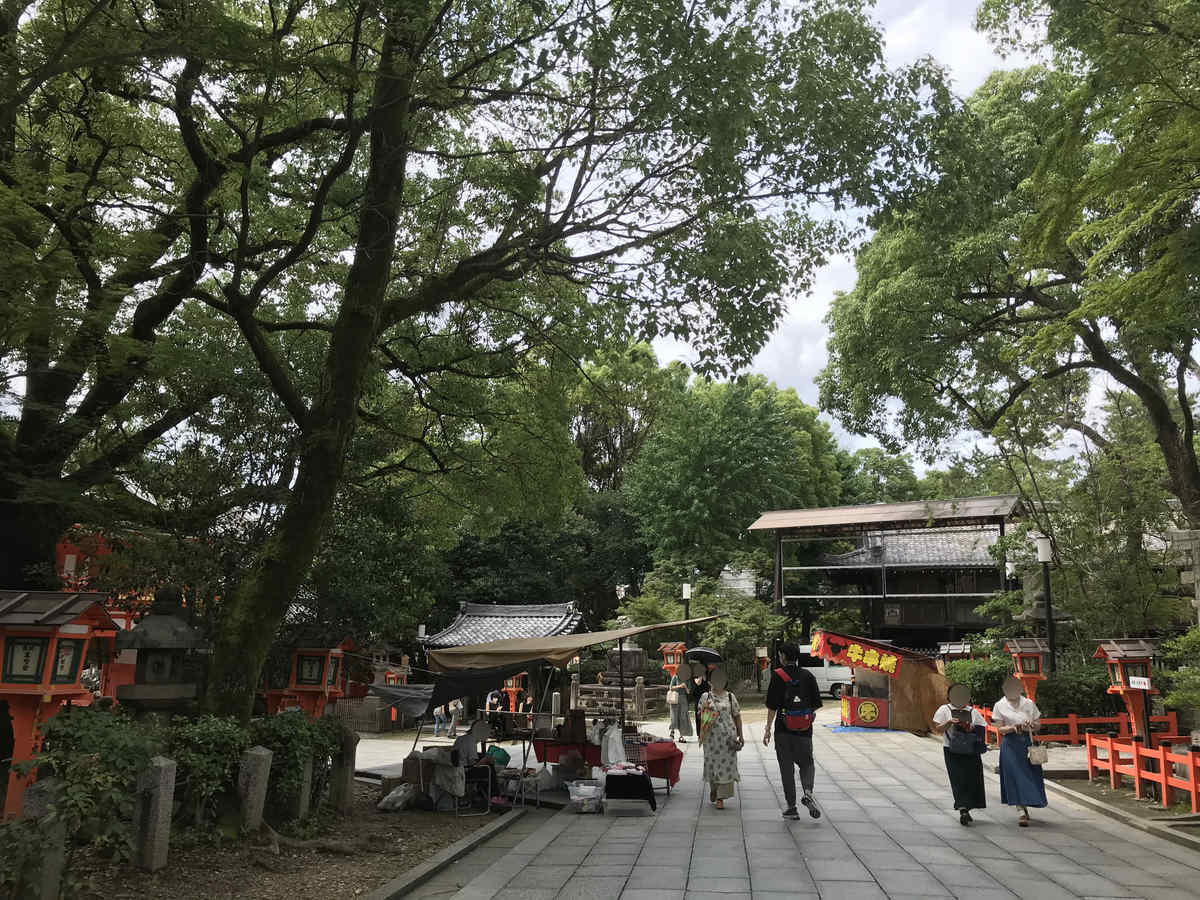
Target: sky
943, 29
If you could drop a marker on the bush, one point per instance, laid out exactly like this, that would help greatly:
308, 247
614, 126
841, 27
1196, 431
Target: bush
293, 739
22, 848
1080, 689
985, 677
98, 754
207, 752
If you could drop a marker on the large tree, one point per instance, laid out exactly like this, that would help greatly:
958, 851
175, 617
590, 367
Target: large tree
727, 453
1058, 243
354, 195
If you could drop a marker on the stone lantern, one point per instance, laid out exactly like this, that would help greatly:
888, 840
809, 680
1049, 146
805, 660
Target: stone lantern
163, 640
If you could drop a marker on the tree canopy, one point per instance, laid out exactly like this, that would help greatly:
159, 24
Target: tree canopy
1057, 242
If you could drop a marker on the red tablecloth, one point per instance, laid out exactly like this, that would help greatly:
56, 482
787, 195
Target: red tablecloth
663, 758
551, 751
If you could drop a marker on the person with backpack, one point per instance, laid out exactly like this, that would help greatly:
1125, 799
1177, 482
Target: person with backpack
793, 699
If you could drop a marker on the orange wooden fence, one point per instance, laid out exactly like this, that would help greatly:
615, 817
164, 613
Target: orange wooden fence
1157, 766
1072, 728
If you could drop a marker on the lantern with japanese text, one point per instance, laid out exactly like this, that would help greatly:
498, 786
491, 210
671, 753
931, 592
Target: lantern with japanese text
672, 654
318, 676
46, 637
1029, 657
1128, 661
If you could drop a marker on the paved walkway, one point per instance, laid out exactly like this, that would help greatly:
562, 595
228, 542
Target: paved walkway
888, 831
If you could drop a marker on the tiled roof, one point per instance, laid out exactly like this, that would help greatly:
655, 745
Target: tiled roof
47, 607
935, 547
478, 623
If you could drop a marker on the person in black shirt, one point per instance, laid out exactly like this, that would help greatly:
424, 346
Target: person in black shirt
793, 748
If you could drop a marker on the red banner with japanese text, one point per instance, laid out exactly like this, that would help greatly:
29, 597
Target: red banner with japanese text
856, 652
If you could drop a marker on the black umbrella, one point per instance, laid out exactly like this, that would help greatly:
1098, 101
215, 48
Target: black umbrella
702, 654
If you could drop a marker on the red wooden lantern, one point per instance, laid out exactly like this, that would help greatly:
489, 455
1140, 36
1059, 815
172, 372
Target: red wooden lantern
672, 654
318, 676
45, 638
1029, 662
1128, 661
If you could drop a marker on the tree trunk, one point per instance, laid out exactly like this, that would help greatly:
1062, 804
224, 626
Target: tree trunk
251, 615
29, 534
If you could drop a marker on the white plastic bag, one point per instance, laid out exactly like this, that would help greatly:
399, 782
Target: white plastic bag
398, 799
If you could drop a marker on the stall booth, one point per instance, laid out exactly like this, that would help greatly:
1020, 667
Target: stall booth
1128, 661
893, 687
45, 638
318, 676
1029, 657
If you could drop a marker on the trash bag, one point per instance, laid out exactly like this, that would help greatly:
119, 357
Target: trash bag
398, 799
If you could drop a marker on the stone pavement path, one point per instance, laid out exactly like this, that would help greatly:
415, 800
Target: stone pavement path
888, 832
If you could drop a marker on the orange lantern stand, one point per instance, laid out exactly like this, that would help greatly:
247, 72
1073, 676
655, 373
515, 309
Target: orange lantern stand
398, 676
672, 654
45, 637
318, 676
514, 686
1029, 657
1128, 661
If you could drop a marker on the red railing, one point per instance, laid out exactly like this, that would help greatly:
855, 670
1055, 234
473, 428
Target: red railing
1073, 728
1157, 766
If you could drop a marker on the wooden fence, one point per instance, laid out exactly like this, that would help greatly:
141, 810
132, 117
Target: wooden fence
1170, 772
1073, 729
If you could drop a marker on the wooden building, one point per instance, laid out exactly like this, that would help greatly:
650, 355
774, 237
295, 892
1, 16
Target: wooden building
916, 571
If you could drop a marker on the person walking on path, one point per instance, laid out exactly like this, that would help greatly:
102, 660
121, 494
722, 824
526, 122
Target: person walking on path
1017, 718
700, 687
793, 699
721, 737
679, 703
439, 719
964, 739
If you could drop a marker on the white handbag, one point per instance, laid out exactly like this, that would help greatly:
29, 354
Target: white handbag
1038, 755
672, 697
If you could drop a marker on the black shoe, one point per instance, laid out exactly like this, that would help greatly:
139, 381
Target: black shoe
964, 817
790, 813
813, 809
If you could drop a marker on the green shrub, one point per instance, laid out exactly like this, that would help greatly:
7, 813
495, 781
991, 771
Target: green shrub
207, 752
1080, 689
292, 739
22, 848
985, 677
98, 754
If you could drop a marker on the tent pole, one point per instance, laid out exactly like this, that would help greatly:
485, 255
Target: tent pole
420, 724
621, 675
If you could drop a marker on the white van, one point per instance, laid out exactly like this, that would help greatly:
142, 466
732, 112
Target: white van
831, 679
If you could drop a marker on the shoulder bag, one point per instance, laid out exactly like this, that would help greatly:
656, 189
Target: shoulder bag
1038, 755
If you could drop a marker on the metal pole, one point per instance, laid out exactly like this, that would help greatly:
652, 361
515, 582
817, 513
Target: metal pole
1049, 617
621, 676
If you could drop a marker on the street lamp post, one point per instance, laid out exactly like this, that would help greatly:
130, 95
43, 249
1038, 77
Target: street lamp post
687, 608
1045, 553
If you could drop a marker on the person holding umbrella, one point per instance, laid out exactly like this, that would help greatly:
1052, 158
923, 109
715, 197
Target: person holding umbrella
702, 659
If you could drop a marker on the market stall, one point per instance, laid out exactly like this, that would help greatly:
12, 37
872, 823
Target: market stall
893, 687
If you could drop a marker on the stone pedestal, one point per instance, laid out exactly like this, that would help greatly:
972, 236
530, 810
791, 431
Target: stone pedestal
37, 801
556, 704
341, 786
574, 691
155, 797
300, 803
639, 698
254, 773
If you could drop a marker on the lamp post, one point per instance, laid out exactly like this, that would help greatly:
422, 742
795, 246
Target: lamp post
687, 608
1045, 553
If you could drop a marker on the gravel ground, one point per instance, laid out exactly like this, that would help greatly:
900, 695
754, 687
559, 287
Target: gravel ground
387, 843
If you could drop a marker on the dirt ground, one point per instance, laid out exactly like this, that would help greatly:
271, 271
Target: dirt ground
386, 845
1124, 800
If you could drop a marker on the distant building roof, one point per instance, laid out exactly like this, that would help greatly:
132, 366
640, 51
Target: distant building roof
835, 520
478, 623
954, 648
935, 548
50, 608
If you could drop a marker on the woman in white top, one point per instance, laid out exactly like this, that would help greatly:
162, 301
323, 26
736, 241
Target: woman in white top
1017, 718
964, 739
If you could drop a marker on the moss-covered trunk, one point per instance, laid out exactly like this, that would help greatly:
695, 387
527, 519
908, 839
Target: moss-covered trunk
249, 618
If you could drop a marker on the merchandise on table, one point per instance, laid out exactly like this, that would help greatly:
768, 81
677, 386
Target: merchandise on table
586, 796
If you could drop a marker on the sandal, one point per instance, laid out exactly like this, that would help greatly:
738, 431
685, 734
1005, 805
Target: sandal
1023, 821
720, 804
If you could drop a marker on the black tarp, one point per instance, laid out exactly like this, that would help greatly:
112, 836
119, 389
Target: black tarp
420, 699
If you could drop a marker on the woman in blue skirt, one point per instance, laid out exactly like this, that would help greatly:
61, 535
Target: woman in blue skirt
1016, 719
